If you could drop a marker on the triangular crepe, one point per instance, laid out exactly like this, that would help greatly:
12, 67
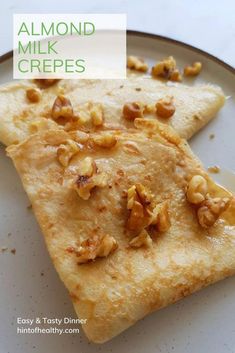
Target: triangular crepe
131, 220
19, 118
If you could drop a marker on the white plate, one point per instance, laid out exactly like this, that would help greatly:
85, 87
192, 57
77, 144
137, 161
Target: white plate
203, 322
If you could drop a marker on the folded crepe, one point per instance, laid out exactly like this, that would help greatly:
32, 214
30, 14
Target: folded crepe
131, 219
19, 117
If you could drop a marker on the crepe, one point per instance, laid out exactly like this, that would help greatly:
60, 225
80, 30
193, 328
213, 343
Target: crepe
19, 118
120, 214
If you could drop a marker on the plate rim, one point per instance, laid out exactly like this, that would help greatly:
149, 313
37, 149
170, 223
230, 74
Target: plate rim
143, 34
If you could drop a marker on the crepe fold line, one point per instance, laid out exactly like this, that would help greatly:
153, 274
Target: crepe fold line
195, 106
113, 293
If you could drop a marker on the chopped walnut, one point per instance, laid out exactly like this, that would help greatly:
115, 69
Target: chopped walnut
88, 178
66, 151
83, 112
135, 63
46, 82
91, 249
62, 108
143, 239
106, 140
175, 76
211, 209
138, 193
87, 167
160, 217
131, 111
144, 194
193, 70
136, 217
33, 95
131, 197
165, 108
138, 200
97, 115
164, 68
208, 208
83, 185
140, 203
197, 189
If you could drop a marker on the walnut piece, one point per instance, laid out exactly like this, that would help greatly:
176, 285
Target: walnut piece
175, 76
136, 217
46, 82
138, 200
88, 178
208, 208
87, 167
106, 140
211, 209
142, 212
97, 115
165, 108
91, 249
131, 197
62, 108
164, 68
33, 94
197, 189
167, 69
136, 63
131, 111
160, 217
143, 239
193, 70
66, 151
138, 193
144, 194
